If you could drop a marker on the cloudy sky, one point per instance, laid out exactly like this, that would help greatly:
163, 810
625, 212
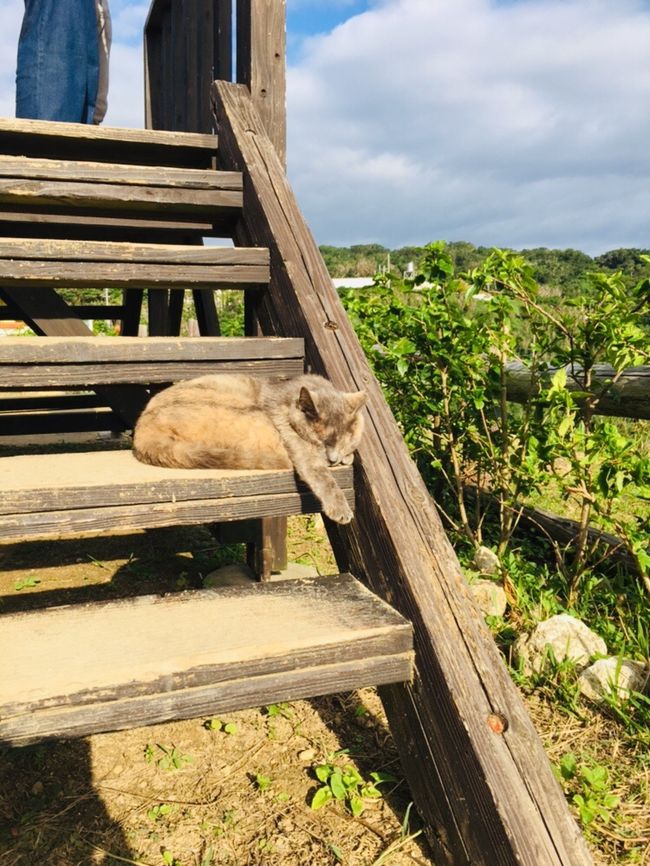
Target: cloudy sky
509, 122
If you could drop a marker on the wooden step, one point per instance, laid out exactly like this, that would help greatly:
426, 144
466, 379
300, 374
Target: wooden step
55, 495
28, 364
62, 362
80, 669
86, 264
102, 190
77, 141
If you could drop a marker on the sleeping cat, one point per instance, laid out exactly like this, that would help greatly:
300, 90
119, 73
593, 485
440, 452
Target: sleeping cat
238, 422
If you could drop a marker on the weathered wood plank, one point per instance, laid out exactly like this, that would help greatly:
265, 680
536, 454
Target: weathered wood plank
233, 647
106, 251
628, 398
13, 127
103, 198
85, 350
80, 521
19, 169
106, 373
489, 799
261, 51
122, 275
42, 138
110, 228
262, 690
53, 482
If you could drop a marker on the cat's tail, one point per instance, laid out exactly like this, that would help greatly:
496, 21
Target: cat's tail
176, 454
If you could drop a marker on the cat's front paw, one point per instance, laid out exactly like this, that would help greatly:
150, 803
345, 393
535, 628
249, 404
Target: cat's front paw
338, 510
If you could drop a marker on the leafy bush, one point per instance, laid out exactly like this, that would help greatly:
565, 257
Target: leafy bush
441, 345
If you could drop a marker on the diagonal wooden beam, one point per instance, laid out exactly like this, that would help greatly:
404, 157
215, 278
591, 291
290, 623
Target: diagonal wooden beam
475, 765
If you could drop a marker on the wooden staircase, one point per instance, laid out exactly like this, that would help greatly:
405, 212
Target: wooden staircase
126, 208
79, 669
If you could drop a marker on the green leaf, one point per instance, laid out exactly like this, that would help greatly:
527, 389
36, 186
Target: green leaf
356, 805
337, 786
564, 426
320, 798
558, 382
323, 772
380, 777
263, 782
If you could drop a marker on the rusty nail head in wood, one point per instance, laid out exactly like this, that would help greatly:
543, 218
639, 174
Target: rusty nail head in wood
497, 723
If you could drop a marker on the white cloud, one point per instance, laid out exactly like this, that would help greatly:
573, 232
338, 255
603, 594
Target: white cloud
518, 124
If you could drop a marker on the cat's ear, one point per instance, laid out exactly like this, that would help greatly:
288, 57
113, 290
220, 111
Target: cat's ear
306, 404
355, 400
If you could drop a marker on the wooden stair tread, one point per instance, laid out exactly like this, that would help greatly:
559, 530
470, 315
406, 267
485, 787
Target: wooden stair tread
58, 362
102, 666
141, 192
51, 495
88, 264
72, 350
105, 143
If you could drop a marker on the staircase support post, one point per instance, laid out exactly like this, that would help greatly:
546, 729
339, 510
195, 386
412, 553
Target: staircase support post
475, 765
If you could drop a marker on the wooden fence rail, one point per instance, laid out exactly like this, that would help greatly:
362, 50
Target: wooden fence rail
628, 397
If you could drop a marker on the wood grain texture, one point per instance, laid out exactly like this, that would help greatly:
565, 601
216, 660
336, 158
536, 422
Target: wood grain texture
123, 275
261, 50
628, 398
159, 177
42, 139
233, 647
142, 373
488, 799
85, 350
52, 482
106, 251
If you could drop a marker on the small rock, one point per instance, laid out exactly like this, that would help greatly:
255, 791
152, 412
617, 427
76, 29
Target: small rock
295, 571
611, 675
236, 574
565, 636
486, 561
307, 755
490, 597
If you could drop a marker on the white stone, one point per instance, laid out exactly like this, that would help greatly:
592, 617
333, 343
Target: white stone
490, 597
486, 561
562, 635
235, 574
613, 676
295, 571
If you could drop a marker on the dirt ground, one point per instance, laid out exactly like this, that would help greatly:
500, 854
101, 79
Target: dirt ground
235, 790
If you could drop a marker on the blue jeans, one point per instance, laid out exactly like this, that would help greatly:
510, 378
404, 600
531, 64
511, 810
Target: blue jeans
58, 61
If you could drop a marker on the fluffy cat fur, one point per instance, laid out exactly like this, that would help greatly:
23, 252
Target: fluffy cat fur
238, 422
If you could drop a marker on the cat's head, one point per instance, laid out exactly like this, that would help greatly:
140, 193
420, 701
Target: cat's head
332, 420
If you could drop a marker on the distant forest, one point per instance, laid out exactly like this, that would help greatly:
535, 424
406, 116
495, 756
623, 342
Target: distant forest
563, 269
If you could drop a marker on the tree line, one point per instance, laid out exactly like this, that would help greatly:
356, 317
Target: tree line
561, 269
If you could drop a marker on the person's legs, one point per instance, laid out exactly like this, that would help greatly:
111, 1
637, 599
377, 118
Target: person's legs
58, 61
